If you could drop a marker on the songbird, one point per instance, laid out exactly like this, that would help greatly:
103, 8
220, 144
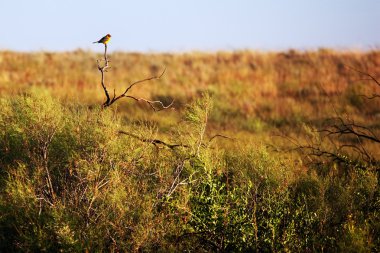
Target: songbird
104, 40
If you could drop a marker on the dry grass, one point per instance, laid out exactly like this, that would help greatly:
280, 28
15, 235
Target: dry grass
253, 92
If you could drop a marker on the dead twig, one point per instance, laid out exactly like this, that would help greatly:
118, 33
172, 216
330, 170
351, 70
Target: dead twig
151, 103
371, 77
350, 128
371, 97
155, 142
220, 136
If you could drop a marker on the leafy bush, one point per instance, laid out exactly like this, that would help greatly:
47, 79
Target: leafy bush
71, 182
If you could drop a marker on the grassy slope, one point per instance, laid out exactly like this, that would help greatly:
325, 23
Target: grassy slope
250, 88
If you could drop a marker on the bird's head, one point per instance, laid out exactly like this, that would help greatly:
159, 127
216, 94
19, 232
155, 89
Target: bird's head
108, 35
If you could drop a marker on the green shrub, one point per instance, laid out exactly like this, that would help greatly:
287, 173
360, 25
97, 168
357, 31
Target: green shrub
71, 182
221, 217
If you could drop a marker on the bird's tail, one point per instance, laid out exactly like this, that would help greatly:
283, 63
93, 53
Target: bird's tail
95, 42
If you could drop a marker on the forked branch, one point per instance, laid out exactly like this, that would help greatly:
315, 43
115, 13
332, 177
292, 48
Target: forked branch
369, 78
156, 105
352, 143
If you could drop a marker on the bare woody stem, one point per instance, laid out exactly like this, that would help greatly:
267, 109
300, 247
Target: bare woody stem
154, 142
102, 70
155, 105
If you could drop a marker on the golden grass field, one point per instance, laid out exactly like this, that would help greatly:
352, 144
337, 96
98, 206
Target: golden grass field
254, 93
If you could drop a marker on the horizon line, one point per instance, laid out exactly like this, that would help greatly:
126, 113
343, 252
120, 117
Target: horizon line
363, 49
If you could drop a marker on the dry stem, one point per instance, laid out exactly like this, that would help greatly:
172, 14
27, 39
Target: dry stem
155, 105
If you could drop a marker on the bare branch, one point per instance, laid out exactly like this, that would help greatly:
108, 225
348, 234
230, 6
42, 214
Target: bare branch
221, 136
371, 77
178, 174
109, 101
102, 70
372, 97
155, 142
151, 103
144, 80
344, 128
342, 140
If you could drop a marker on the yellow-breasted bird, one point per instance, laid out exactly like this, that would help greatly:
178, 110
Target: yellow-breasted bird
104, 40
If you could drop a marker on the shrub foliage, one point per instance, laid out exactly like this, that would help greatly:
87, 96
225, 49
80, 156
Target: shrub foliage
71, 182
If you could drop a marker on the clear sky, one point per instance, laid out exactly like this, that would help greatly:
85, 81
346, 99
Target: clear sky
182, 25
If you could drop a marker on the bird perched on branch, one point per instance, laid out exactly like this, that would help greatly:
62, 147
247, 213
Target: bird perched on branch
104, 40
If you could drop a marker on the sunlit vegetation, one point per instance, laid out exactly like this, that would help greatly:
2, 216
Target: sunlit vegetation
260, 152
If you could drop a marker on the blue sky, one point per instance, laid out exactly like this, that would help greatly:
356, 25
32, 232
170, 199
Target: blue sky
170, 25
